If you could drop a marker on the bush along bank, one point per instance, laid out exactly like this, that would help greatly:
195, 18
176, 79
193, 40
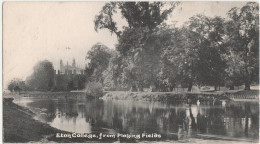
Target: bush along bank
94, 90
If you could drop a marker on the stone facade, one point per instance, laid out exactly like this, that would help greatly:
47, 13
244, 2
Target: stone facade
70, 69
69, 77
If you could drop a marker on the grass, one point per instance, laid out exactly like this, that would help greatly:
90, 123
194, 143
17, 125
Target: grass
19, 126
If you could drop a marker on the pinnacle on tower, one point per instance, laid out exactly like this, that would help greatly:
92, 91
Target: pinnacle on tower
61, 65
74, 63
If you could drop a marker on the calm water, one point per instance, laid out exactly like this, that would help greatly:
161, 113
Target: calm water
178, 121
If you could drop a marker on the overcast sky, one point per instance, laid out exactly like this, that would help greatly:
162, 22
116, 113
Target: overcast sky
34, 31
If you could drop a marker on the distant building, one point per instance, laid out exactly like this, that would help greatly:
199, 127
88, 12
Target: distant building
69, 77
70, 69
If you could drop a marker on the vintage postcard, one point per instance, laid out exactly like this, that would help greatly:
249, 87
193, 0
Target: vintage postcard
131, 72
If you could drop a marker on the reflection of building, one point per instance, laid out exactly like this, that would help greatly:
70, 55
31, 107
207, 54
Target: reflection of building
69, 77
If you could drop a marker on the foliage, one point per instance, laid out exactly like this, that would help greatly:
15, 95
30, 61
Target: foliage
94, 89
17, 85
42, 77
113, 74
139, 43
99, 57
211, 32
204, 51
243, 40
193, 55
141, 53
137, 14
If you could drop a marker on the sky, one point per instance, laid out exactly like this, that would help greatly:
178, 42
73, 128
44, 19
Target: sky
34, 31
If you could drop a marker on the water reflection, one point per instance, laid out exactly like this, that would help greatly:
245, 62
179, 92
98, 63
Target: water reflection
174, 121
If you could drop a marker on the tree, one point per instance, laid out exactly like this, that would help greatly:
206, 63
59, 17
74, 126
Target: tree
189, 62
17, 85
233, 71
42, 77
70, 85
141, 50
113, 78
11, 86
242, 32
137, 14
171, 58
139, 43
99, 57
203, 43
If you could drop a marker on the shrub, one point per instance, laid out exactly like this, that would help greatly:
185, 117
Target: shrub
94, 89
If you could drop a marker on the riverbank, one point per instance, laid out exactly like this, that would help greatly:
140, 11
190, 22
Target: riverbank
236, 95
244, 95
40, 94
20, 127
171, 96
161, 96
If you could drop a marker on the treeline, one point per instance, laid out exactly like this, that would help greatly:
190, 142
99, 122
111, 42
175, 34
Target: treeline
151, 54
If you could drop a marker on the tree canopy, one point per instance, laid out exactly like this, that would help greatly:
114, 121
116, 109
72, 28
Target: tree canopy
137, 14
98, 57
17, 85
203, 51
42, 77
242, 32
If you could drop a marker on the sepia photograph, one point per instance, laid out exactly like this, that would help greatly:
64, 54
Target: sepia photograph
130, 72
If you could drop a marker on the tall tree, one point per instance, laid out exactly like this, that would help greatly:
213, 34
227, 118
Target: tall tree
189, 64
138, 42
42, 77
210, 66
141, 50
234, 75
113, 74
243, 40
99, 57
172, 58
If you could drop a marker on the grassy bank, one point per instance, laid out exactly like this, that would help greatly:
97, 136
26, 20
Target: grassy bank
19, 126
162, 96
171, 96
44, 94
251, 94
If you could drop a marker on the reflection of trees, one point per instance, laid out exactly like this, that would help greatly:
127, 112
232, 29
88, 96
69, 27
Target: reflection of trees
65, 108
243, 119
215, 121
68, 108
236, 120
247, 117
93, 111
193, 124
202, 122
254, 128
106, 116
132, 118
46, 109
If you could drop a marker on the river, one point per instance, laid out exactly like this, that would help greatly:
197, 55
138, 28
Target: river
173, 121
